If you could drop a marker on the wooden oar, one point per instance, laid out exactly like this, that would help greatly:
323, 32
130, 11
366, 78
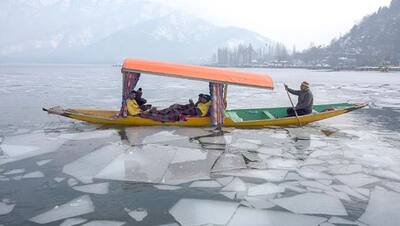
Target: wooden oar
294, 109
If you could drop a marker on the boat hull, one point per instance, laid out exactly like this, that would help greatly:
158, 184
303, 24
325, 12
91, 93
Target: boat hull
249, 117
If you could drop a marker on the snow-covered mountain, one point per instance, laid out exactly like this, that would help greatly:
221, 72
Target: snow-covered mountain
107, 31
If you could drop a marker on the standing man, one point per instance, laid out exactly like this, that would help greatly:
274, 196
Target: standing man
304, 102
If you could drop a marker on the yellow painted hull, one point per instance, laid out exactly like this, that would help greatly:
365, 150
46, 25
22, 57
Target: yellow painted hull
106, 118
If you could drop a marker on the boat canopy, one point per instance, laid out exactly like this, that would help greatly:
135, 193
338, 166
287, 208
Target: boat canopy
198, 73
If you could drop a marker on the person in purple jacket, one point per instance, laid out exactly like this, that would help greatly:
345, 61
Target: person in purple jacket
305, 100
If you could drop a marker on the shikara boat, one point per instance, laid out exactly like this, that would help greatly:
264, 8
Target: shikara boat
246, 118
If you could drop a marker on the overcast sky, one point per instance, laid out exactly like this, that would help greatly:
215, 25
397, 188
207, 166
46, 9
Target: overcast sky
293, 22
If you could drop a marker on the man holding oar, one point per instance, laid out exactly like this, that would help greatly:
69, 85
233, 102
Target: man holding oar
305, 100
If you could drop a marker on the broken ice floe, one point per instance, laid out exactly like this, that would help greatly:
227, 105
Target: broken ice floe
383, 208
97, 134
205, 184
312, 174
92, 163
79, 206
104, 223
346, 169
229, 161
14, 171
228, 194
349, 191
357, 180
268, 175
166, 187
312, 203
248, 216
259, 203
224, 180
36, 174
339, 220
137, 214
72, 182
59, 179
160, 164
6, 208
28, 145
393, 186
73, 221
265, 189
100, 188
236, 185
43, 162
200, 212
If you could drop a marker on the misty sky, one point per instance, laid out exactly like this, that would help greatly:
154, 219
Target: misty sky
293, 22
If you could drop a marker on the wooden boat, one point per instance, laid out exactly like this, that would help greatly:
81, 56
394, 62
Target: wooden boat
259, 117
246, 118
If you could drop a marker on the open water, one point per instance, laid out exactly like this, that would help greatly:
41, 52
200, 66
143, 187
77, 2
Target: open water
56, 171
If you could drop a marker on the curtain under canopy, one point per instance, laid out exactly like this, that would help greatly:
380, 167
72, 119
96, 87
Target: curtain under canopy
129, 81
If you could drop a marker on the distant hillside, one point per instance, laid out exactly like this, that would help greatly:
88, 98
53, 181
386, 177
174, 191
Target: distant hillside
103, 31
373, 42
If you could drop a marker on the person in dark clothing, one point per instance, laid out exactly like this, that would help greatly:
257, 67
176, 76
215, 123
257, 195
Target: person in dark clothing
305, 100
140, 100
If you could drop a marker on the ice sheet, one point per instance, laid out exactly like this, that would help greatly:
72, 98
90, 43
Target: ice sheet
265, 189
357, 180
36, 174
282, 163
97, 134
205, 184
59, 179
393, 185
253, 217
72, 182
100, 188
314, 184
260, 203
73, 221
42, 162
312, 203
235, 185
349, 191
6, 208
224, 180
104, 223
229, 161
79, 206
162, 137
200, 212
14, 171
146, 165
17, 150
183, 172
312, 174
137, 214
383, 209
346, 169
92, 163
28, 145
268, 175
167, 187
228, 194
339, 220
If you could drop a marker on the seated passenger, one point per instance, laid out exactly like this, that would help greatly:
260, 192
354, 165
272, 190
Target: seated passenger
132, 105
203, 105
141, 101
178, 112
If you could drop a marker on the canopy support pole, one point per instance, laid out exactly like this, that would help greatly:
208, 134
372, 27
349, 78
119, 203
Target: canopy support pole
129, 81
217, 108
226, 95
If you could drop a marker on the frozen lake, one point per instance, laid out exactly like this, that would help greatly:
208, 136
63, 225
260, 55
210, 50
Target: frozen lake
56, 171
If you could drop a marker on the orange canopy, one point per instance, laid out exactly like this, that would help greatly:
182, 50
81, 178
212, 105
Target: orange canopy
198, 73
